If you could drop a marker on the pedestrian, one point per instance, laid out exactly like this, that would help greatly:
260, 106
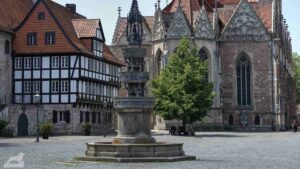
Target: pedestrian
295, 126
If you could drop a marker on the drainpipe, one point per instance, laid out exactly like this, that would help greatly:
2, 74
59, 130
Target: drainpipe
275, 125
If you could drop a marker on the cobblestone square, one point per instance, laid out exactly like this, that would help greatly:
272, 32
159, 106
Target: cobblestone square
222, 150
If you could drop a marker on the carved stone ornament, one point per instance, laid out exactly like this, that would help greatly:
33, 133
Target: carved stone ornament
179, 26
158, 30
203, 28
245, 25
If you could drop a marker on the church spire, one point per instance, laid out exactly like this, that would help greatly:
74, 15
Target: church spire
216, 26
134, 25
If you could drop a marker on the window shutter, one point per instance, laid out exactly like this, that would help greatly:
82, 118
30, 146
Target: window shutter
67, 116
54, 118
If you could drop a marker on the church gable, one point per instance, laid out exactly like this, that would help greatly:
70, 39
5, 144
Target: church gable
158, 28
203, 28
245, 25
179, 26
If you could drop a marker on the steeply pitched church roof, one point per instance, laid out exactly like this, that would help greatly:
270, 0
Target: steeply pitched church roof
190, 7
12, 12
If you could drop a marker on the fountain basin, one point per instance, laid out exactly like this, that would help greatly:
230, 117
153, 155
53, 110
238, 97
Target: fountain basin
157, 152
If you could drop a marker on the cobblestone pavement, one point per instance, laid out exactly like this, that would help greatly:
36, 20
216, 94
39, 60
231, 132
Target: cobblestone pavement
222, 150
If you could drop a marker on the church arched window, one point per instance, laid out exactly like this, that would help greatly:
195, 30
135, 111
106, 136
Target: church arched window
243, 69
203, 55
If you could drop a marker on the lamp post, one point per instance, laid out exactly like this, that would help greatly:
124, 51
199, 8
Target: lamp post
105, 109
37, 101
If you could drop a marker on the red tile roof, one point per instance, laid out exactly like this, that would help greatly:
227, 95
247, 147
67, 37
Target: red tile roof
190, 7
12, 12
66, 18
86, 28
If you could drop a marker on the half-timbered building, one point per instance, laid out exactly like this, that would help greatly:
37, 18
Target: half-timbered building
62, 56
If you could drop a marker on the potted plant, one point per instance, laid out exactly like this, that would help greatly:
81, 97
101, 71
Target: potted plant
87, 127
46, 130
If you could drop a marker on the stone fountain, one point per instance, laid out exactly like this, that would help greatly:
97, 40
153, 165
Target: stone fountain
134, 142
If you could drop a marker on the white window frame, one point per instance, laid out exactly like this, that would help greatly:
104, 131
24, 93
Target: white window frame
55, 86
18, 63
55, 61
27, 87
27, 63
36, 86
36, 61
64, 62
64, 86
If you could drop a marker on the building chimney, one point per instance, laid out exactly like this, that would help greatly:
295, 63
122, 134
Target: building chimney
71, 7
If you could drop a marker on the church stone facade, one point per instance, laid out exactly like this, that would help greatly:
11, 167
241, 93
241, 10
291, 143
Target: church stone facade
248, 48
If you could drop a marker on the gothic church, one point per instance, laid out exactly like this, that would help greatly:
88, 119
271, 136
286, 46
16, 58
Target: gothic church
248, 47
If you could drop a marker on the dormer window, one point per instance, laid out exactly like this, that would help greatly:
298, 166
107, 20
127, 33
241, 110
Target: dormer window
41, 16
97, 48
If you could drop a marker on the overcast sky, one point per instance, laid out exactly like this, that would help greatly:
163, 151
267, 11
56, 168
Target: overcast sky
106, 10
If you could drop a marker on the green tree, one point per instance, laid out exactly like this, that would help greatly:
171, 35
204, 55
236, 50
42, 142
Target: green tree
182, 90
296, 69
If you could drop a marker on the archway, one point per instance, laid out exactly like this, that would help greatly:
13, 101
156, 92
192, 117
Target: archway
23, 125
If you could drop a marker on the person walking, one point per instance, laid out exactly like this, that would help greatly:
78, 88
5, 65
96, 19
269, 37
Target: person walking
295, 126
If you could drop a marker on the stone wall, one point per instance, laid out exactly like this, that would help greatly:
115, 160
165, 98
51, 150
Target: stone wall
46, 115
261, 83
5, 70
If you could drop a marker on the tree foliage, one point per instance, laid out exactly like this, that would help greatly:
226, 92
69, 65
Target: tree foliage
182, 90
296, 69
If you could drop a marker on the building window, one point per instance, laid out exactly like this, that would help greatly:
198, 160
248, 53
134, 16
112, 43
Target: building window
243, 81
27, 87
62, 116
31, 38
50, 38
230, 120
55, 62
55, 86
7, 47
97, 48
81, 117
18, 63
99, 34
41, 16
36, 86
64, 86
64, 61
94, 117
99, 117
36, 62
27, 63
204, 58
87, 117
54, 117
257, 120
